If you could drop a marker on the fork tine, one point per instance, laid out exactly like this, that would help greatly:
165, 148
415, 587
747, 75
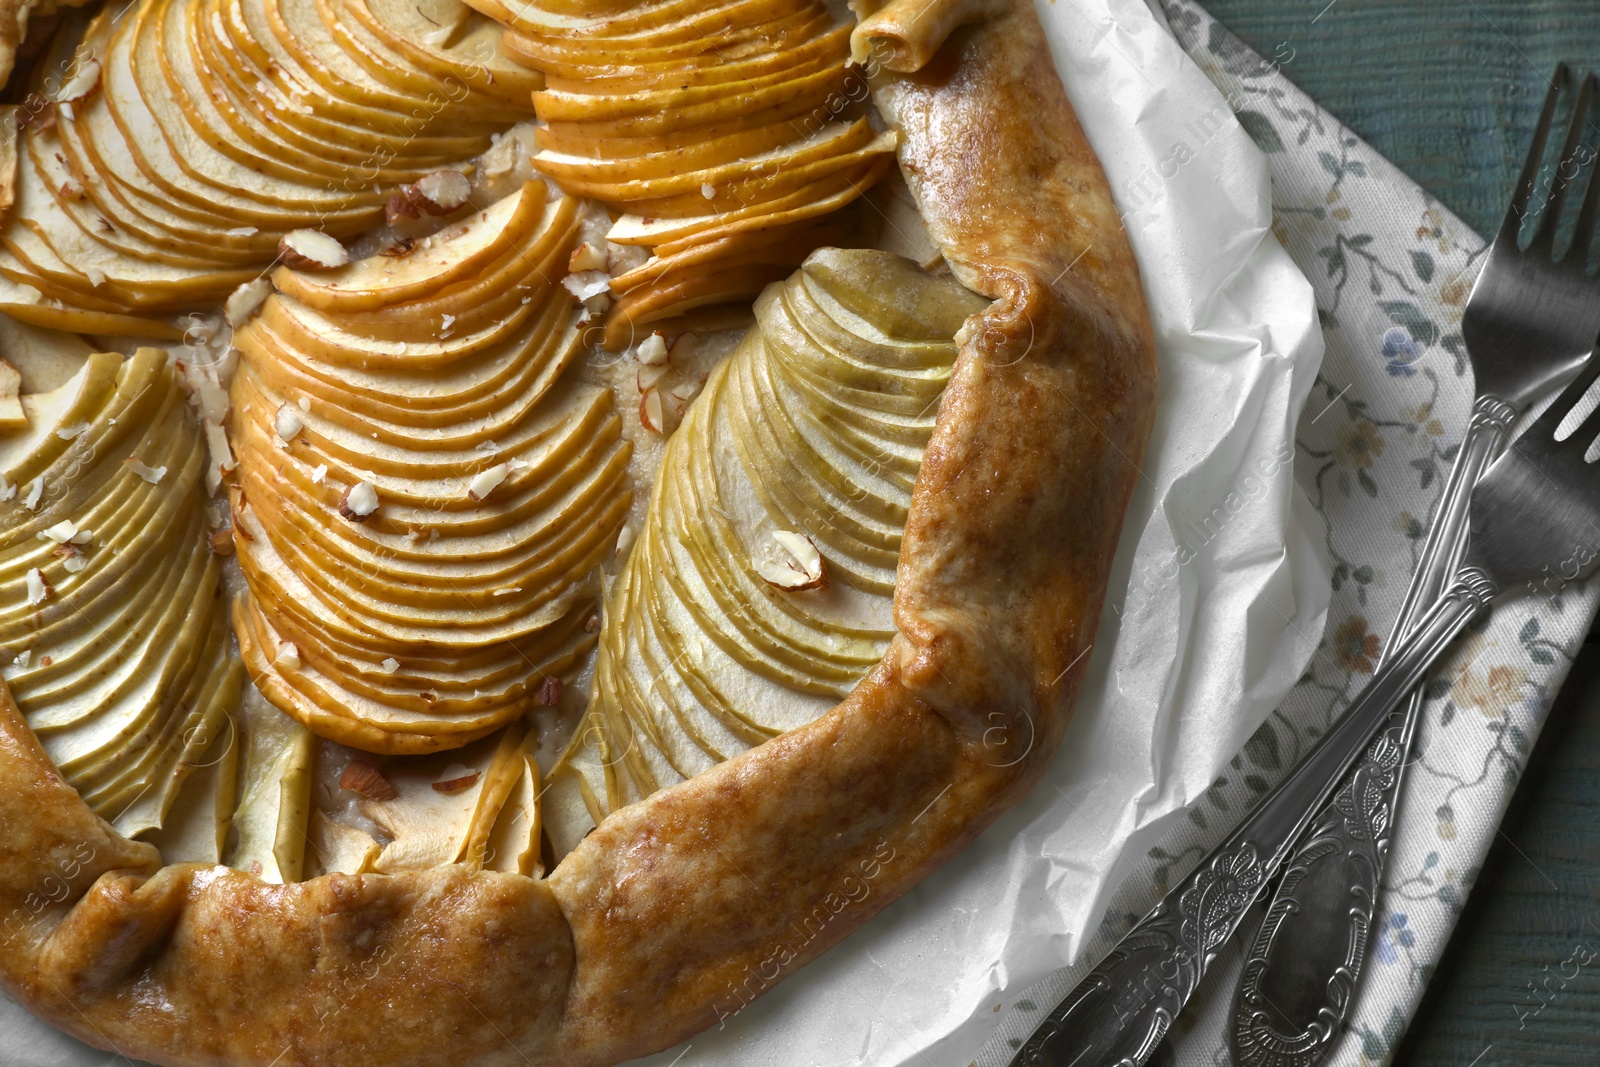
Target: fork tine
1566, 170
1518, 211
1585, 432
1583, 232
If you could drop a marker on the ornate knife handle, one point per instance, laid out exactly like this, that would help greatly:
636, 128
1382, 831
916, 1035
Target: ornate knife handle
1301, 971
1122, 1010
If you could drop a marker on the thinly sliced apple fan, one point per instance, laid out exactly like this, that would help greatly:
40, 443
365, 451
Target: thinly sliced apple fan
420, 521
806, 441
726, 134
113, 632
198, 133
426, 473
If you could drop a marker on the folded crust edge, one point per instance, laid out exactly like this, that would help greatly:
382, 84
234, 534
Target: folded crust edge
678, 911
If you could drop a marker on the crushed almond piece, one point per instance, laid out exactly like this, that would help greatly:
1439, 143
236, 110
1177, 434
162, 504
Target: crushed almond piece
801, 569
485, 481
38, 588
550, 691
652, 350
359, 502
153, 475
312, 250
455, 778
287, 422
441, 192
648, 377
245, 301
222, 542
403, 246
651, 412
586, 257
363, 779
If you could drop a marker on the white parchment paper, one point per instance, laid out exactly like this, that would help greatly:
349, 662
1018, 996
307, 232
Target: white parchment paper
1219, 600
1220, 593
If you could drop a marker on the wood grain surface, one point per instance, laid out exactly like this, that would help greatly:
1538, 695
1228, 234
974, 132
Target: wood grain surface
1450, 92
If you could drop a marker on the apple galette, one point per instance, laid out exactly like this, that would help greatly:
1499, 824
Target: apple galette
504, 508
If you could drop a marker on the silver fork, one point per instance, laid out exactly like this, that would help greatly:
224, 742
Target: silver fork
1528, 324
1534, 523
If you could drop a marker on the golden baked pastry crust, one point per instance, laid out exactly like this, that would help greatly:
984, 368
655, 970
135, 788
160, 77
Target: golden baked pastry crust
678, 910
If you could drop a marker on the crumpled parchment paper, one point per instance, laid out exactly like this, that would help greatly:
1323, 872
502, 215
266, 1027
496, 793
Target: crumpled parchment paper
1219, 598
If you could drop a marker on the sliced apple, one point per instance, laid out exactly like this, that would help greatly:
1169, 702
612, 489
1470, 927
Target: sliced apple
434, 620
128, 677
759, 590
275, 813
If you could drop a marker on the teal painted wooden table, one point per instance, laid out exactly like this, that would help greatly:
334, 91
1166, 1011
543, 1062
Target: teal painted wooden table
1449, 92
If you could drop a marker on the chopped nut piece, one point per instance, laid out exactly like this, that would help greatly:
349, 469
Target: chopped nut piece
484, 482
38, 588
222, 542
441, 192
288, 655
389, 665
686, 390
359, 502
585, 285
363, 779
625, 539
24, 658
403, 246
708, 190
60, 533
684, 347
591, 624
304, 404
802, 568
72, 189
652, 350
35, 490
455, 778
550, 691
399, 206
319, 472
221, 456
312, 250
287, 422
586, 257
245, 301
74, 564
651, 412
73, 432
649, 377
153, 475
7, 490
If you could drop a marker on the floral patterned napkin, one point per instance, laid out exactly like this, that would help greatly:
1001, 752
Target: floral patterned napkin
1392, 269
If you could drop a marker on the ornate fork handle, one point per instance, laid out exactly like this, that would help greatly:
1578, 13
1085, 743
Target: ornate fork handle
1300, 974
1122, 1010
